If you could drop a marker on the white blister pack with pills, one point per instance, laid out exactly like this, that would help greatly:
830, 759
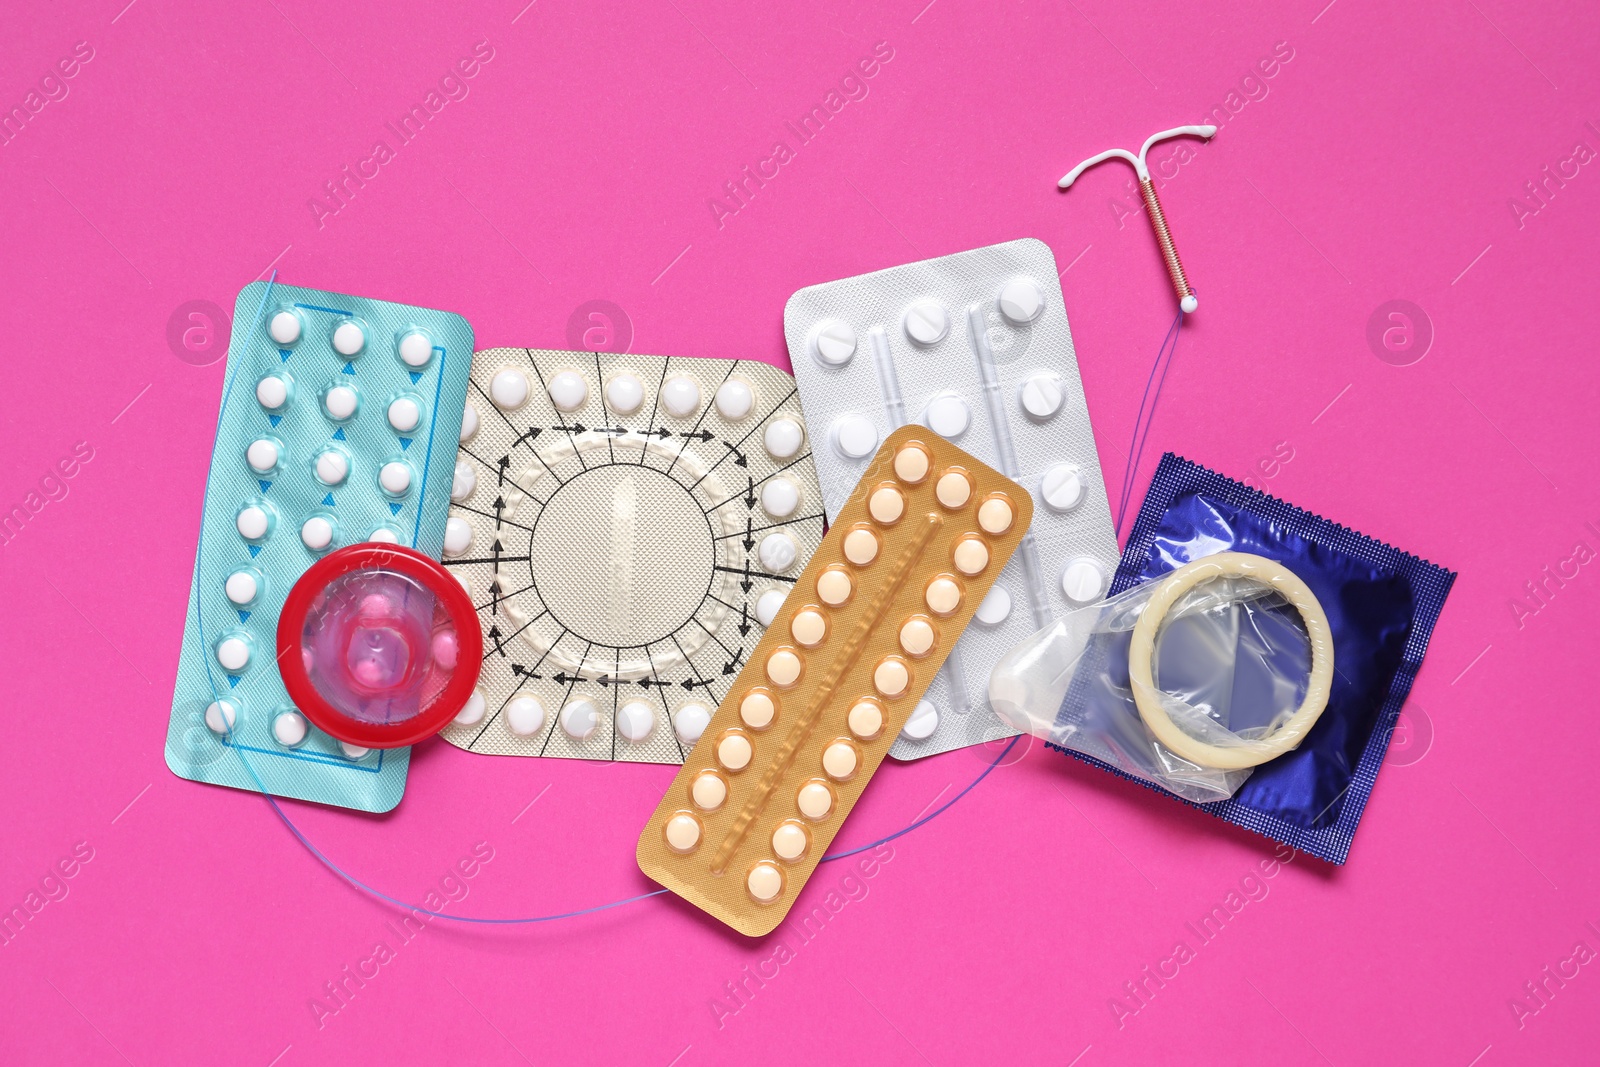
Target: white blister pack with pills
627, 526
976, 347
339, 424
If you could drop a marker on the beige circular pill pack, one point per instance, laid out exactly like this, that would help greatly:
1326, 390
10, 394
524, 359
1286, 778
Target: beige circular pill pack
835, 678
610, 521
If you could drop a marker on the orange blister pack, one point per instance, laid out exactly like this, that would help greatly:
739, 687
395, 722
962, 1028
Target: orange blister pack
811, 716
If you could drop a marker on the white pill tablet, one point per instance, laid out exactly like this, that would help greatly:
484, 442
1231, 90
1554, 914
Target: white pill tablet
943, 596
332, 467
568, 390
636, 720
780, 497
340, 402
783, 668
241, 587
916, 637
463, 482
971, 555
854, 436
768, 605
926, 322
404, 414
783, 438
757, 710
349, 338
815, 800
891, 677
924, 720
808, 628
1061, 486
861, 547
384, 535
1041, 395
996, 515
734, 399
680, 396
272, 392
948, 415
469, 423
834, 587
1082, 581
234, 654
709, 791
221, 715
416, 348
253, 523
765, 882
285, 327
690, 721
525, 715
317, 533
1021, 300
953, 489
995, 607
472, 711
509, 389
395, 477
580, 718
734, 752
457, 536
886, 505
790, 841
289, 729
683, 832
833, 342
262, 455
777, 552
353, 752
625, 393
840, 760
866, 719
911, 464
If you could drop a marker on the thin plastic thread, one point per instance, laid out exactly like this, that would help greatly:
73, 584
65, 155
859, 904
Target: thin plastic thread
1141, 425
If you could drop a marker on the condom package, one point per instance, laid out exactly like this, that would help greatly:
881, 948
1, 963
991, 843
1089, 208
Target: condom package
1240, 660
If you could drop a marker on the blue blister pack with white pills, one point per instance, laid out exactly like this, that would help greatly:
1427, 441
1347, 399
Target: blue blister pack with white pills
339, 424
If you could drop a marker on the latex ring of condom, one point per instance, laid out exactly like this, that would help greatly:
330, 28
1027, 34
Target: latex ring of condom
1287, 584
379, 646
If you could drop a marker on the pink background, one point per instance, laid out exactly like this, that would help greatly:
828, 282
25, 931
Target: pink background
1380, 164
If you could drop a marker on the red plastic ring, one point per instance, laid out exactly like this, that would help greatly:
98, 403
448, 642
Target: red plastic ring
431, 576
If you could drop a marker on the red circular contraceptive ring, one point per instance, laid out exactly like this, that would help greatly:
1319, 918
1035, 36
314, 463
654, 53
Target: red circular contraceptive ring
379, 646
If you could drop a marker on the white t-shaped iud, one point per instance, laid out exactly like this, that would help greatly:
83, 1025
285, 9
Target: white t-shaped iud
1147, 189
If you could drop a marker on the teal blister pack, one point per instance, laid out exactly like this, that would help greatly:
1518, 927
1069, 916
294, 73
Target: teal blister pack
339, 424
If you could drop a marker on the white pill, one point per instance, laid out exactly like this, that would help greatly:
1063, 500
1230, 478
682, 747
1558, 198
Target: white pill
995, 607
472, 711
1021, 300
734, 399
333, 467
780, 497
690, 721
783, 438
683, 833
272, 392
789, 841
854, 436
709, 791
404, 414
636, 720
262, 455
757, 710
415, 349
285, 327
233, 653
768, 605
317, 533
463, 482
765, 882
457, 536
353, 752
680, 396
840, 760
349, 338
1061, 486
383, 535
289, 729
1082, 581
525, 715
1041, 395
833, 342
777, 552
241, 587
469, 423
221, 715
252, 523
815, 800
926, 322
568, 390
580, 718
509, 389
395, 477
948, 415
625, 393
340, 402
924, 720
734, 752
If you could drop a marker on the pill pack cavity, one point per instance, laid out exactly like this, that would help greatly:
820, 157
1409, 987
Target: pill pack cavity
976, 347
339, 424
801, 730
627, 526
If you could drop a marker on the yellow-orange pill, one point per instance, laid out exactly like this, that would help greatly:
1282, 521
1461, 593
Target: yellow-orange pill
734, 751
758, 710
709, 791
911, 464
943, 596
954, 489
971, 555
916, 636
840, 760
891, 676
834, 587
790, 840
866, 719
683, 832
861, 547
815, 800
783, 668
765, 882
809, 628
886, 505
996, 515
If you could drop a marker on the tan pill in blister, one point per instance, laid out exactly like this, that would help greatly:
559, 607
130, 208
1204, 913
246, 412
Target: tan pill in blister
944, 595
783, 668
891, 677
765, 882
710, 791
861, 546
917, 636
866, 719
886, 504
683, 832
734, 751
815, 800
809, 627
834, 586
790, 840
995, 515
840, 760
954, 488
758, 709
971, 555
911, 464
